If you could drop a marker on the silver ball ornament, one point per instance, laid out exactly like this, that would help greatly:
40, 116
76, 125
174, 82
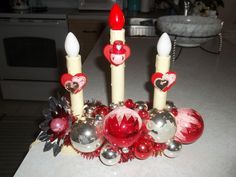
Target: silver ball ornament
169, 105
125, 150
88, 111
162, 127
141, 105
152, 112
109, 155
113, 106
173, 148
98, 119
86, 137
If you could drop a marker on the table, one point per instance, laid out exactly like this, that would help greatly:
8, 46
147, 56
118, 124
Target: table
205, 82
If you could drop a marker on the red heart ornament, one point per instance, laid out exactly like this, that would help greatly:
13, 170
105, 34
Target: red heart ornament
164, 81
74, 84
116, 53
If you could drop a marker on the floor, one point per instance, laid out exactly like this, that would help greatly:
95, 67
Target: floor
18, 129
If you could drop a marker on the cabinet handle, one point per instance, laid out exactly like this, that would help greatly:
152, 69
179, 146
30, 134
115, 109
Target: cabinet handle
89, 31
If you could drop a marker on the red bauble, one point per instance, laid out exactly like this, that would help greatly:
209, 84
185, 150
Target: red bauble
102, 110
58, 125
116, 18
189, 125
174, 111
122, 127
129, 104
144, 114
143, 148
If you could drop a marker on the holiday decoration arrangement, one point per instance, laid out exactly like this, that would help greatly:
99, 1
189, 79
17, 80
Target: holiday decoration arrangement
125, 129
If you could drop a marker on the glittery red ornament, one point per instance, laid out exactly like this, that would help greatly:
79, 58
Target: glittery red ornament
58, 125
143, 148
144, 114
102, 110
189, 125
122, 127
174, 111
129, 104
116, 18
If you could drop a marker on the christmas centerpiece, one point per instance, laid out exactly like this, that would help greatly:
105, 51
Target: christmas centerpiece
124, 129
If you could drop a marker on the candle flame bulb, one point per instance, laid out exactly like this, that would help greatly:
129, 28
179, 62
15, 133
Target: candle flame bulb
116, 18
164, 45
72, 46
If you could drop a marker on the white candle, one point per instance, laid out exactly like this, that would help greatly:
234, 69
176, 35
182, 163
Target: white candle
162, 66
117, 72
117, 32
74, 66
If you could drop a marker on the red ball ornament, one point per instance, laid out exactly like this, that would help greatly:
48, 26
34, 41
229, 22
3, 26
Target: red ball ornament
174, 111
122, 127
58, 125
116, 18
129, 104
144, 114
190, 125
143, 148
102, 110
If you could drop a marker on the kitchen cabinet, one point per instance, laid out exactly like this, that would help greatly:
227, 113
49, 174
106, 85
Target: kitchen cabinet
87, 32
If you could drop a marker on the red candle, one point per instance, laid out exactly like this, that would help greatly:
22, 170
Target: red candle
116, 18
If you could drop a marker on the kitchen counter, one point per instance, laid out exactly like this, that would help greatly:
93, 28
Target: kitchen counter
60, 13
67, 12
205, 82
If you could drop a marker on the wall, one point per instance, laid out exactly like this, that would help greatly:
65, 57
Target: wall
228, 15
61, 3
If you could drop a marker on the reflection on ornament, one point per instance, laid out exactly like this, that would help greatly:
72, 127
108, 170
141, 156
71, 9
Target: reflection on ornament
173, 148
86, 137
122, 126
162, 127
189, 125
109, 155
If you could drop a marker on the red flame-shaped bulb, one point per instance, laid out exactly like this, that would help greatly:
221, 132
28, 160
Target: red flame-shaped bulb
116, 18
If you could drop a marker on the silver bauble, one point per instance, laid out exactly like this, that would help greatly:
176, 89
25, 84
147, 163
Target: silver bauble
113, 106
86, 137
141, 105
125, 150
173, 148
98, 117
88, 111
162, 127
152, 112
109, 155
169, 105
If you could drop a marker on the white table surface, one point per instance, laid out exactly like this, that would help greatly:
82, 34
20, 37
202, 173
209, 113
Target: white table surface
205, 82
